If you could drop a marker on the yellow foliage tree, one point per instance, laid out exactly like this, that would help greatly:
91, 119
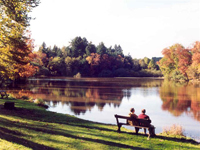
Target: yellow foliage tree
15, 44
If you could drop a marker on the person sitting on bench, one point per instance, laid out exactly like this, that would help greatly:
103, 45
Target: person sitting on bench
133, 120
144, 116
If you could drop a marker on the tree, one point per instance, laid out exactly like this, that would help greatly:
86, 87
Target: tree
169, 62
94, 61
73, 65
136, 65
194, 69
151, 64
142, 64
176, 63
90, 49
101, 49
15, 43
56, 66
78, 46
184, 60
56, 52
128, 62
117, 50
146, 61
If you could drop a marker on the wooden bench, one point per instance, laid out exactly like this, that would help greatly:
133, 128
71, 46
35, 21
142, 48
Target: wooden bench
141, 123
3, 94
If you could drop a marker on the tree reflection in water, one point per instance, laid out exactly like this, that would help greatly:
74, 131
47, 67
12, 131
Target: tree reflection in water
82, 94
181, 98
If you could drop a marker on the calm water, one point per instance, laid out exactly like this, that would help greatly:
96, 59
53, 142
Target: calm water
98, 99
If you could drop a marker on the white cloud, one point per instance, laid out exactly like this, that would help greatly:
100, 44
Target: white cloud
142, 28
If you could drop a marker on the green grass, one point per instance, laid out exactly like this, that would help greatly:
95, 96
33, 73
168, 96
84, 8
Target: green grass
32, 127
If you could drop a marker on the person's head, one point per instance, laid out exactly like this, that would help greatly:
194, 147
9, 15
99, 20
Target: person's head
143, 111
132, 110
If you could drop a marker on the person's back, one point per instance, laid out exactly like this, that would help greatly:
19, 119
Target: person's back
133, 117
144, 116
133, 120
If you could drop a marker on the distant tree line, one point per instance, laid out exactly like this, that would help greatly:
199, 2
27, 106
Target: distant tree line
88, 60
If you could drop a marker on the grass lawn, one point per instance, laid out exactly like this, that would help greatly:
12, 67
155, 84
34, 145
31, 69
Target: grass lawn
32, 127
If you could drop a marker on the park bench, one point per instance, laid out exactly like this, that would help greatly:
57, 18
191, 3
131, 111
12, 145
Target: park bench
141, 123
3, 94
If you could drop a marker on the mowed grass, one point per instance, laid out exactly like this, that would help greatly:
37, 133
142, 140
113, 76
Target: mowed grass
32, 127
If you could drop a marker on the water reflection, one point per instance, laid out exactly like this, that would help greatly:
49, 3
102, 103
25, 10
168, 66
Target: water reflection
82, 95
179, 99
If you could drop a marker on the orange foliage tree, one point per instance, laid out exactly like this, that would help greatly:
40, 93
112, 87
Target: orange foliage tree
181, 63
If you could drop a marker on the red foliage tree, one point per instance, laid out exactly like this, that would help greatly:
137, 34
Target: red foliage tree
184, 59
22, 55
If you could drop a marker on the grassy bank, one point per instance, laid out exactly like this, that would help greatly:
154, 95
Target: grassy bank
32, 127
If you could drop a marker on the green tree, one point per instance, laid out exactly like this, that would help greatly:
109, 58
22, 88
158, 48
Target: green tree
146, 61
91, 48
101, 49
78, 46
151, 64
142, 64
56, 52
56, 66
128, 62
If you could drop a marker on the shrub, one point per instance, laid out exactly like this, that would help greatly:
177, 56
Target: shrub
78, 75
176, 130
41, 103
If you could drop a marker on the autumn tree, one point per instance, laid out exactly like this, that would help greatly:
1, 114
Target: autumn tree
169, 62
94, 61
194, 69
15, 43
177, 62
184, 60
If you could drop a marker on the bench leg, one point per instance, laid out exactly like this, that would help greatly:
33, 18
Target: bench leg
119, 126
145, 131
136, 130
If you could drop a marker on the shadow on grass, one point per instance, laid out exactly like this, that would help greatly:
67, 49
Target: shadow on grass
7, 135
53, 118
166, 138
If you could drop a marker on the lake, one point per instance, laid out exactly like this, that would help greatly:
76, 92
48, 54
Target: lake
98, 99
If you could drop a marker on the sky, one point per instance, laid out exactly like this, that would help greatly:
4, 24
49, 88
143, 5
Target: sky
143, 28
